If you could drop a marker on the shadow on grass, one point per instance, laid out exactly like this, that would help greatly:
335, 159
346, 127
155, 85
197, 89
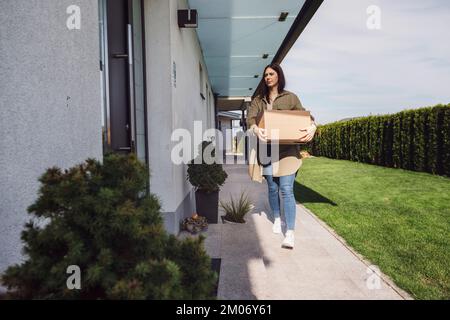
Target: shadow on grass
304, 194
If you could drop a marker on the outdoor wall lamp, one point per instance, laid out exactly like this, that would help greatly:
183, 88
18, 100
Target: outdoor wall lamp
283, 16
187, 18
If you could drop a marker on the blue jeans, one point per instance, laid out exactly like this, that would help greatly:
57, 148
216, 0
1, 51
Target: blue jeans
285, 186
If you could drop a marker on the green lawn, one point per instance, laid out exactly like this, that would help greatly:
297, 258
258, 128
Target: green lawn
399, 220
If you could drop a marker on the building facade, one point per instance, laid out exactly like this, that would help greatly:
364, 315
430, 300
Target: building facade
71, 88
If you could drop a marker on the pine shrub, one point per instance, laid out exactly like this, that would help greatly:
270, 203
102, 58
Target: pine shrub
99, 217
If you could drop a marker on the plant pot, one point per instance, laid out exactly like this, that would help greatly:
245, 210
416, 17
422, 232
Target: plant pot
224, 220
208, 205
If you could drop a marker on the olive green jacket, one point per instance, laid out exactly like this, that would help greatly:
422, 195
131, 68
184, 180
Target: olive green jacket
289, 159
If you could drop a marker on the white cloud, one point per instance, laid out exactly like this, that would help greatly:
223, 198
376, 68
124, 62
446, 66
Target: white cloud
340, 68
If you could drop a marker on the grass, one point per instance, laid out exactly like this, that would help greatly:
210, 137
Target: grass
397, 219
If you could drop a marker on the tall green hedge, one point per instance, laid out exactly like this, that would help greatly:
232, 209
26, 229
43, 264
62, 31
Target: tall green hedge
416, 140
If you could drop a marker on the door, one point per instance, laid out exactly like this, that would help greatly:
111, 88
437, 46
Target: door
120, 77
120, 41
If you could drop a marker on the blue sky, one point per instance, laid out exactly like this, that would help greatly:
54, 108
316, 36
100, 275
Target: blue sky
340, 68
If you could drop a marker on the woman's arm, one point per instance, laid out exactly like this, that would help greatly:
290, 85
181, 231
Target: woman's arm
252, 113
310, 131
297, 104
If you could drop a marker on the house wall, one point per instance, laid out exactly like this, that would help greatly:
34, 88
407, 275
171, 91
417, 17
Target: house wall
49, 103
172, 102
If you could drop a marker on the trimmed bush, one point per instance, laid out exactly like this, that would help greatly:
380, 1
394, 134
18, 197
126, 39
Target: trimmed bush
416, 139
208, 177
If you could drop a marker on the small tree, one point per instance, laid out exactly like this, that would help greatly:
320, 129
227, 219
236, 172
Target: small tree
100, 218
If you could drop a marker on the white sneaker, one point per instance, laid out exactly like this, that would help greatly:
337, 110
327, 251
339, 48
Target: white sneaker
276, 228
288, 241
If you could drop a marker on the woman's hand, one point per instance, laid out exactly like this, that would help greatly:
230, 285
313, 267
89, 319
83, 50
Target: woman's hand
310, 131
260, 133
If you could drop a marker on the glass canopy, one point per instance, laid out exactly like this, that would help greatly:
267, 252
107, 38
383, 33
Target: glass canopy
239, 38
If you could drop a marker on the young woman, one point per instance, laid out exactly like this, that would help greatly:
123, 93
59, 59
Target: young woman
279, 172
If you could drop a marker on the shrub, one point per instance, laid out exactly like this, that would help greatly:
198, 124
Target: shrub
411, 139
100, 218
235, 211
206, 175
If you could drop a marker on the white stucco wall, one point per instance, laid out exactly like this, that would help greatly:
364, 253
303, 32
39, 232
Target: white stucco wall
172, 105
49, 103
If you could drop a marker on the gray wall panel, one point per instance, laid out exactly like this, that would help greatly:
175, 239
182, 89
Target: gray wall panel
49, 103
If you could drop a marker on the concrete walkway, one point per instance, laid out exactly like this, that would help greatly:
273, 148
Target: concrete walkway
254, 266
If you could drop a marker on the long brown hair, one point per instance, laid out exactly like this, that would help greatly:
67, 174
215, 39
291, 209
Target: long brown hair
281, 80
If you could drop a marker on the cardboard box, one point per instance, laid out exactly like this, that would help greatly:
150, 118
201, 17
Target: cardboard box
288, 123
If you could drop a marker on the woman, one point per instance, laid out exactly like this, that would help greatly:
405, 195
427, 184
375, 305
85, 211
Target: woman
279, 174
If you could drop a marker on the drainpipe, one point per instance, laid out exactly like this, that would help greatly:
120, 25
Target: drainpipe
244, 129
216, 120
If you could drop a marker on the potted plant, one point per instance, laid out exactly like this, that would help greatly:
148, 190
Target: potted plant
235, 211
207, 177
194, 224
